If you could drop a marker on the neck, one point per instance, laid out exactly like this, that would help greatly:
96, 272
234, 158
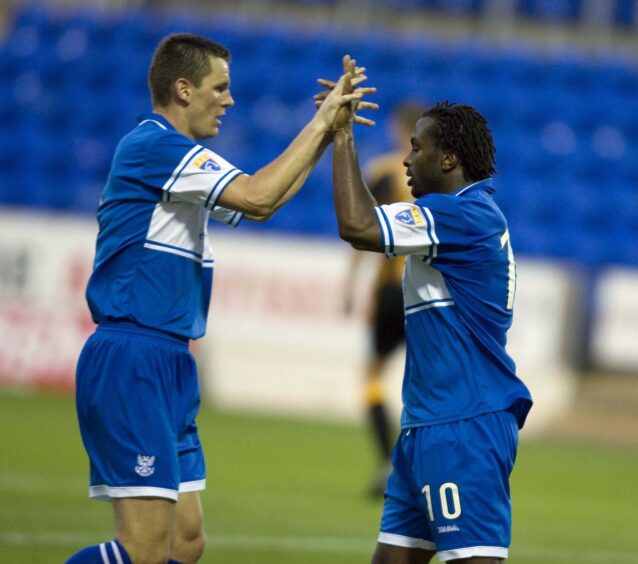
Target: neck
453, 182
175, 117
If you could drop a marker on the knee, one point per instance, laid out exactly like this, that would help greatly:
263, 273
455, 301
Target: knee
188, 546
147, 553
195, 547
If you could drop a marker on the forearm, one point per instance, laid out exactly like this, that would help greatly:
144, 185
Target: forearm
354, 204
258, 196
301, 179
276, 183
295, 187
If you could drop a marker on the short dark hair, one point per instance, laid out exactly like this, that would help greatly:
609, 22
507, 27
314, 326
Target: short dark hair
181, 55
464, 131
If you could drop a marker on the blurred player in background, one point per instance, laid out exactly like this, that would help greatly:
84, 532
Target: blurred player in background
137, 387
388, 183
448, 493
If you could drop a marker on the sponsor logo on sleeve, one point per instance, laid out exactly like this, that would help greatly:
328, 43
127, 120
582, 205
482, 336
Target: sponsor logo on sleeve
207, 163
410, 216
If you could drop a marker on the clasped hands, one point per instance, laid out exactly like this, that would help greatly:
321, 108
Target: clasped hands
344, 97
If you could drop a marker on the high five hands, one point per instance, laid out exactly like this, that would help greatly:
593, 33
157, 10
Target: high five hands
344, 94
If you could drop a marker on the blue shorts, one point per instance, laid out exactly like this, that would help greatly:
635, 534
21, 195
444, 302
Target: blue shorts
449, 488
137, 395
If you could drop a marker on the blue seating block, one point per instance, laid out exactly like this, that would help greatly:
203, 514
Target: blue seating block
566, 129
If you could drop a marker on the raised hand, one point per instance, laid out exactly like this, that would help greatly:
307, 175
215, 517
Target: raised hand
346, 94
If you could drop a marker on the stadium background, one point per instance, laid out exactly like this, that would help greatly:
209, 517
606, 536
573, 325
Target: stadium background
558, 82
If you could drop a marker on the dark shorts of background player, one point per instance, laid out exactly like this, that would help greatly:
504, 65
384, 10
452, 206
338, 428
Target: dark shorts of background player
388, 322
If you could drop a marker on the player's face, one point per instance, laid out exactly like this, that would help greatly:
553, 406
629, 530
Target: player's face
209, 101
423, 162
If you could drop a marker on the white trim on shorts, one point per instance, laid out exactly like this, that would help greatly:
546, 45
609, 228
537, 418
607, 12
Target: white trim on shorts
405, 542
471, 551
194, 486
106, 493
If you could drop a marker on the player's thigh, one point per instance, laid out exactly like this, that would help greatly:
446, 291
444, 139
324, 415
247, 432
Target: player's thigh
189, 518
144, 524
389, 554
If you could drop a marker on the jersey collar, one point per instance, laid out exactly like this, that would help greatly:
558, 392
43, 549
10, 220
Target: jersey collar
158, 119
485, 184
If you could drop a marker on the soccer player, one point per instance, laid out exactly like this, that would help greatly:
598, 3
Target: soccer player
137, 388
448, 492
388, 184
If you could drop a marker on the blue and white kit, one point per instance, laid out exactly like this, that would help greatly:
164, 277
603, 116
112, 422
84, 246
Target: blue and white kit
153, 214
460, 389
149, 293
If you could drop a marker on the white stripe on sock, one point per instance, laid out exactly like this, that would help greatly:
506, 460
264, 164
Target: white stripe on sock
105, 556
116, 551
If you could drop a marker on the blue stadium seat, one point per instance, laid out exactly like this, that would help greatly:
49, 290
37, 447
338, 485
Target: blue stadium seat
558, 174
564, 11
625, 13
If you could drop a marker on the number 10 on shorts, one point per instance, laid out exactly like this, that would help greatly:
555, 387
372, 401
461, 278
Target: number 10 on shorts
448, 512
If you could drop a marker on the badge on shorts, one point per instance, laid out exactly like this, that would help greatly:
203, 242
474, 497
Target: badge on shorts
145, 466
410, 216
206, 162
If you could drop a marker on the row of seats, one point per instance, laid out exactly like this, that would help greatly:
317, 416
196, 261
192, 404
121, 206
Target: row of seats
566, 129
621, 13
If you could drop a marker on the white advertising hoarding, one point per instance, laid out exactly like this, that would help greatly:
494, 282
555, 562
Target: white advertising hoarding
45, 261
278, 338
614, 336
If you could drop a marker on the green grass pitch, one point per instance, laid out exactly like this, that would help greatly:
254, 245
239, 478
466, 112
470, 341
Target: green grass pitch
283, 491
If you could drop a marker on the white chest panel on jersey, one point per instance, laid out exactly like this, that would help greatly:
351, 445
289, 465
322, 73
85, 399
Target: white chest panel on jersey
180, 228
423, 286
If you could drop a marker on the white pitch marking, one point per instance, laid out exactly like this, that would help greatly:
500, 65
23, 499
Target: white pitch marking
316, 545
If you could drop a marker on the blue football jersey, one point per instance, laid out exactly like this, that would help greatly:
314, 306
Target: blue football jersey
153, 262
459, 283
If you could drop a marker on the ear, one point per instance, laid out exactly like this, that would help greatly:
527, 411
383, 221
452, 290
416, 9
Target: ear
183, 90
449, 161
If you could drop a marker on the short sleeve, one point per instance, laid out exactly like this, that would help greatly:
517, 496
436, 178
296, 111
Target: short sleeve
427, 228
225, 215
186, 171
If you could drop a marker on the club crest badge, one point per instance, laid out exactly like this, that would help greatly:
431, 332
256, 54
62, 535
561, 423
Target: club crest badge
145, 466
206, 162
410, 216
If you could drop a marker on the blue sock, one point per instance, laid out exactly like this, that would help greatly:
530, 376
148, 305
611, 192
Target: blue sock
105, 553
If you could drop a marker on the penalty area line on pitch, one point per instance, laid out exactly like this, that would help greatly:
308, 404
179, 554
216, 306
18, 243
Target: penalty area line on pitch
234, 542
312, 544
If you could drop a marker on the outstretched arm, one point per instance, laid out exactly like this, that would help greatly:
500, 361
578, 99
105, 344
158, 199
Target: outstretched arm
260, 195
298, 183
359, 77
354, 203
